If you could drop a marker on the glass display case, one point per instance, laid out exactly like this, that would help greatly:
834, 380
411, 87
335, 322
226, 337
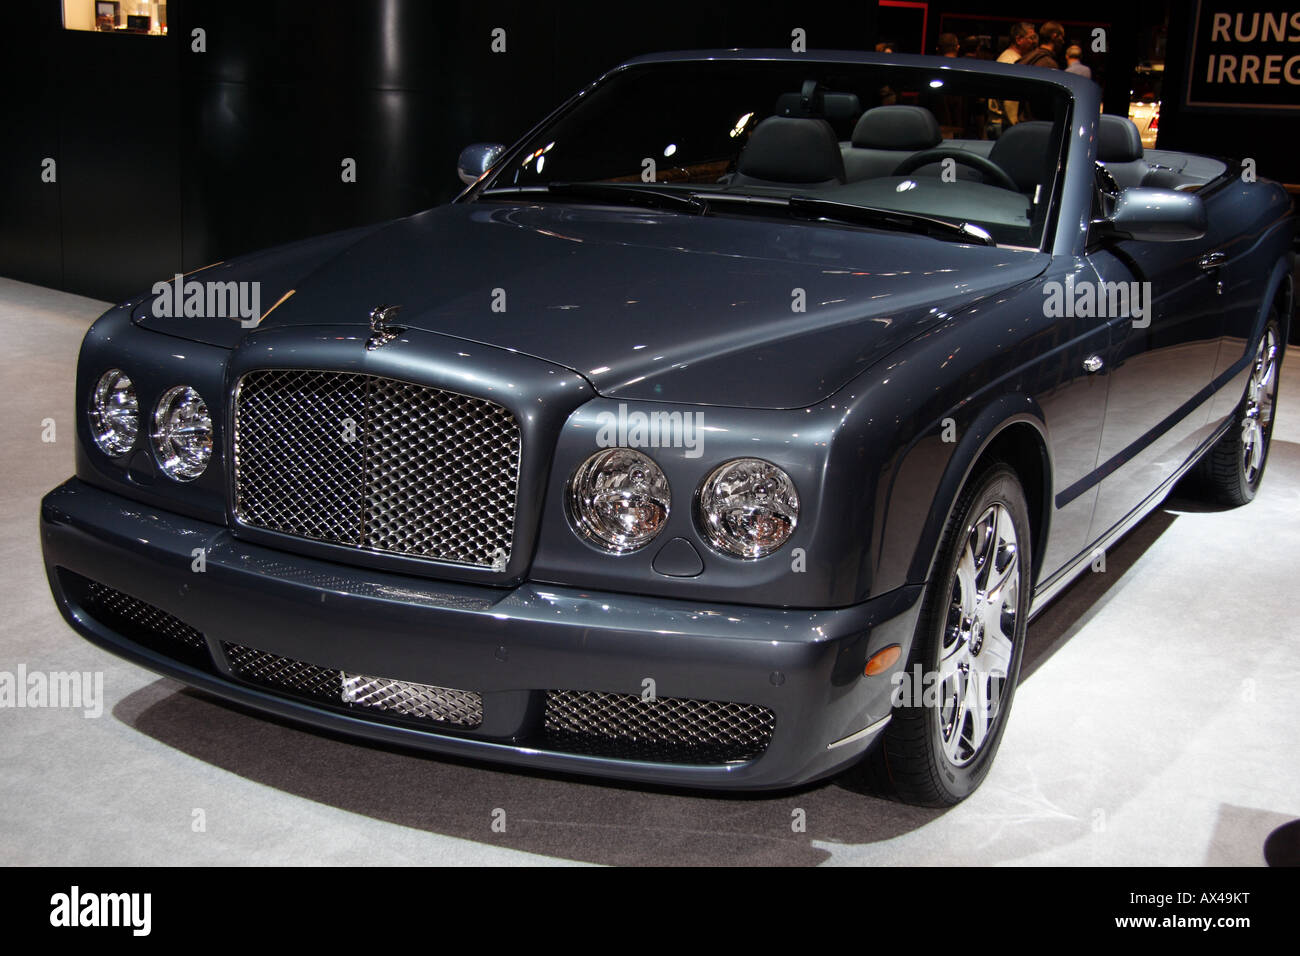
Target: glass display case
147, 17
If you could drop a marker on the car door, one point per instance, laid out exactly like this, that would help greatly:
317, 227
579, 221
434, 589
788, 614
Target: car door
1073, 398
1160, 367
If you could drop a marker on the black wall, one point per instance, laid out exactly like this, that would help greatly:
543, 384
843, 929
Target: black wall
31, 239
170, 159
1269, 138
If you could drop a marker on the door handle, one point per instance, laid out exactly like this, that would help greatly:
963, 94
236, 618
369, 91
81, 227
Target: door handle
1212, 260
1093, 363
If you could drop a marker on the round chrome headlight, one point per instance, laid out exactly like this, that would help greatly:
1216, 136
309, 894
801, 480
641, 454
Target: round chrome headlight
619, 499
748, 507
182, 433
114, 413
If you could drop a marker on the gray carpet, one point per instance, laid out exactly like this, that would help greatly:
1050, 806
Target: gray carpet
1154, 725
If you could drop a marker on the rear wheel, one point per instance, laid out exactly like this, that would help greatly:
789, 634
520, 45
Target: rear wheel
950, 711
1231, 471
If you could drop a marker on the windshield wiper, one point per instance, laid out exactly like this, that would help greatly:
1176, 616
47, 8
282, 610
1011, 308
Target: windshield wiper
628, 193
697, 203
889, 219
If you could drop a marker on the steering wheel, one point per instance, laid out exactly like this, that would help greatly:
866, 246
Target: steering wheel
964, 156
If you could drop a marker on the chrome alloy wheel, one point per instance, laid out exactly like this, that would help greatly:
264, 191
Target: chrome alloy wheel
978, 638
1261, 395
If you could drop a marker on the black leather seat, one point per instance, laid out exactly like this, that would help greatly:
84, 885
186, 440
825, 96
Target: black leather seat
887, 135
788, 151
1119, 147
1021, 151
841, 110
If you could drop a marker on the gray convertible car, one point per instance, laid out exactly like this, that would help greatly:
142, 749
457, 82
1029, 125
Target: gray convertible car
726, 431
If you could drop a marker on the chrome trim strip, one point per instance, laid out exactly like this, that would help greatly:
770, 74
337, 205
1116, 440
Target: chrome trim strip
864, 732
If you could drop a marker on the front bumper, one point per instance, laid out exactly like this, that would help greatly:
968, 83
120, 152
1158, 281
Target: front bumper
511, 646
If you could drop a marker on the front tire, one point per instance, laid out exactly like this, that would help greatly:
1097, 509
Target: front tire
969, 642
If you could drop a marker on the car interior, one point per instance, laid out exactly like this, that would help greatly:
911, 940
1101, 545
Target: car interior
895, 140
901, 141
891, 153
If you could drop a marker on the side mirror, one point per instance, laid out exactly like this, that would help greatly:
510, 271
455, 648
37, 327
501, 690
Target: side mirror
476, 159
1154, 215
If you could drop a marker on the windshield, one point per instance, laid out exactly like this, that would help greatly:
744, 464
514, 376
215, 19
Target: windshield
935, 146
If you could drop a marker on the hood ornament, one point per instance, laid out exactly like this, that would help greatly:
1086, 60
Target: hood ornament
381, 333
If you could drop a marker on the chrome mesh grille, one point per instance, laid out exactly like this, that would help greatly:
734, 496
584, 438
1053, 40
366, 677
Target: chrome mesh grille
666, 729
461, 708
137, 620
299, 454
375, 463
113, 606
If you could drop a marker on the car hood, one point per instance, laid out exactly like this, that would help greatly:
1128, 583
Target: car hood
645, 304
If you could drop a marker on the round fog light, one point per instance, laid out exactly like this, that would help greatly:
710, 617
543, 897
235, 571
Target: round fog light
114, 413
748, 507
182, 433
619, 499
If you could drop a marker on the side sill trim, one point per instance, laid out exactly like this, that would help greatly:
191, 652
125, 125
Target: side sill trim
1051, 590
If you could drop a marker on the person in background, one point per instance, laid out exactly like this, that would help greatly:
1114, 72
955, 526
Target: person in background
888, 96
1005, 113
1073, 64
1023, 39
952, 112
1051, 41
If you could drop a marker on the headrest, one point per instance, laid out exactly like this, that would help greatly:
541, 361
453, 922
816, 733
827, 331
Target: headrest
1118, 140
1021, 151
897, 127
786, 150
836, 107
